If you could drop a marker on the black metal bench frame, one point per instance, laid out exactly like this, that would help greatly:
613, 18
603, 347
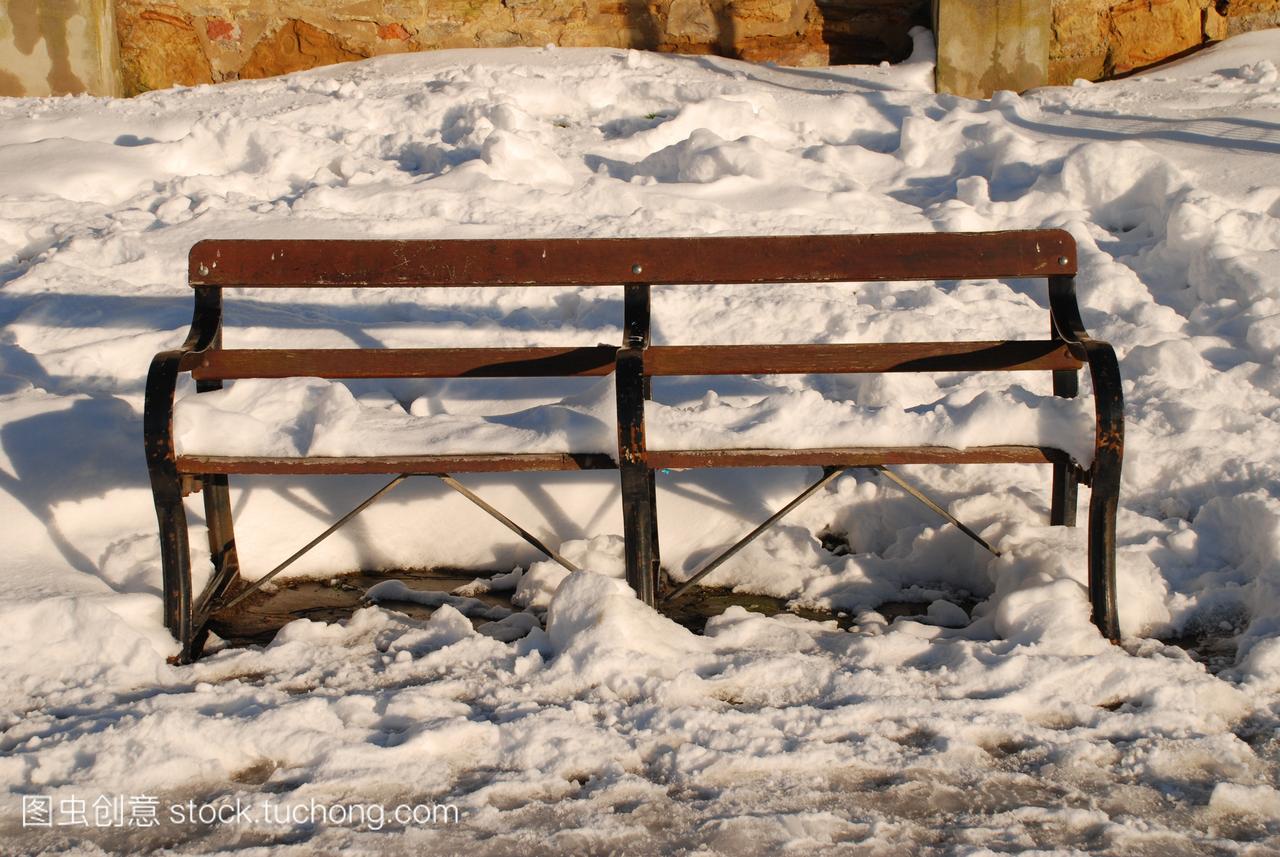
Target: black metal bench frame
637, 265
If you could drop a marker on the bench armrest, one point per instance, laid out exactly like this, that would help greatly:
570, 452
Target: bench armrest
162, 384
1104, 371
1103, 476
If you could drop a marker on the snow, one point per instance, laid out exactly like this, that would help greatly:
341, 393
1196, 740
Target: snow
996, 720
309, 417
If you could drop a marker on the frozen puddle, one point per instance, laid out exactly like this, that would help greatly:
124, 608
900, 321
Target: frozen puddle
419, 593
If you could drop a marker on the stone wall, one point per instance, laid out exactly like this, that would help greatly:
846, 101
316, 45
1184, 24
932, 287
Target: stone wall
201, 41
1244, 16
57, 47
1093, 39
69, 46
190, 41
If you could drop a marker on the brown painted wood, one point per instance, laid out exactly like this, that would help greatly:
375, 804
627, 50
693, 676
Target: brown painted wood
858, 357
478, 463
658, 459
617, 261
229, 363
851, 456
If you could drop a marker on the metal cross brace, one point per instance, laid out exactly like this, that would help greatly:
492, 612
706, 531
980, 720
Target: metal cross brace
377, 495
828, 474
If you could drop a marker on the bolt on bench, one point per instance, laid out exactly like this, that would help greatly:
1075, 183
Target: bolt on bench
636, 264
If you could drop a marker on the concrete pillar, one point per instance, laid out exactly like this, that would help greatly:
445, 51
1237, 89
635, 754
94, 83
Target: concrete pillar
58, 47
986, 45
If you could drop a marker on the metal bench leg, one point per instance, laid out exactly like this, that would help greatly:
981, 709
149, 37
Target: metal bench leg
1108, 455
655, 565
222, 539
175, 563
640, 531
639, 506
167, 492
222, 555
1103, 502
1063, 503
639, 486
1062, 511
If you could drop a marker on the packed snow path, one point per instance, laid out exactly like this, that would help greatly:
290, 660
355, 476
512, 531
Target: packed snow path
612, 730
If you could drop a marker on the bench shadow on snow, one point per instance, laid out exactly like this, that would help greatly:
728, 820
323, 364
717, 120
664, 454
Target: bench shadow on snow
777, 74
359, 322
1232, 132
73, 454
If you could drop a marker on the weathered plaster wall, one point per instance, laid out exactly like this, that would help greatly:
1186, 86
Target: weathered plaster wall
57, 47
986, 45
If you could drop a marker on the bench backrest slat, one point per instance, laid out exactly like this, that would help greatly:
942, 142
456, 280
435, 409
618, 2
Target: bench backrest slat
619, 261
1010, 356
225, 364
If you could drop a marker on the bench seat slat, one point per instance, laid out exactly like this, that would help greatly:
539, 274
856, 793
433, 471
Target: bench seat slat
854, 456
473, 463
618, 261
227, 364
658, 459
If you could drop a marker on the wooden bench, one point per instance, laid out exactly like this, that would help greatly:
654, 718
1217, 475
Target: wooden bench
637, 265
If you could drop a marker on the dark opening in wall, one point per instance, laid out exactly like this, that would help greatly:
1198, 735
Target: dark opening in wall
871, 31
